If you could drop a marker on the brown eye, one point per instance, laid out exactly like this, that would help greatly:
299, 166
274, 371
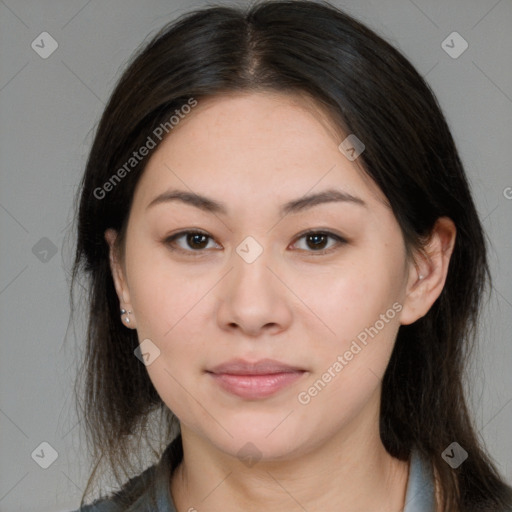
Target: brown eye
194, 241
316, 241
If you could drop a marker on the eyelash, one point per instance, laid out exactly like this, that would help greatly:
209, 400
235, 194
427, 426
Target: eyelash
169, 241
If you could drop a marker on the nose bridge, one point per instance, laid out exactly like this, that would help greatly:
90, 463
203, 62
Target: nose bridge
251, 261
252, 297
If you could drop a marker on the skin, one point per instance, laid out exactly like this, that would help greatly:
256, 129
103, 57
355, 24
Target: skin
253, 152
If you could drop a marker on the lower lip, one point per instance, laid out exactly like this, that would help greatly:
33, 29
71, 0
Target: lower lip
255, 386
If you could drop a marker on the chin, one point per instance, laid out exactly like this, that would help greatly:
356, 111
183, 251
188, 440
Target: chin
259, 440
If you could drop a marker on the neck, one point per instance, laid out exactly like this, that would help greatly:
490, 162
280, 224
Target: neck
351, 471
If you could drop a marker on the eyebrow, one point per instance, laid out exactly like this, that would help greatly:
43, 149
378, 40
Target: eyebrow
212, 206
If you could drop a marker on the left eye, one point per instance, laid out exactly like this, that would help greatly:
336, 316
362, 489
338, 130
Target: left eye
316, 241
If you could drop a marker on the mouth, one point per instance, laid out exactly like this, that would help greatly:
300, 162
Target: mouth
253, 381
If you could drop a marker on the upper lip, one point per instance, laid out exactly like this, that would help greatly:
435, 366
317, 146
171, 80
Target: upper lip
261, 367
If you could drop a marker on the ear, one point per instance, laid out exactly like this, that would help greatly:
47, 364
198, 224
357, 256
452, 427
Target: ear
118, 275
428, 271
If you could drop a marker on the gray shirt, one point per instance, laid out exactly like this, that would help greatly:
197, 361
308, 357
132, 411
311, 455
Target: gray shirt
419, 495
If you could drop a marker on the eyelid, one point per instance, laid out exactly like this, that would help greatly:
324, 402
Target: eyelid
199, 252
340, 240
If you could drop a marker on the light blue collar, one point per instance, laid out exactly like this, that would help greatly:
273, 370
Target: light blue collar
419, 496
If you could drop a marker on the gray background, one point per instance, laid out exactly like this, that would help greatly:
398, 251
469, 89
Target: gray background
48, 110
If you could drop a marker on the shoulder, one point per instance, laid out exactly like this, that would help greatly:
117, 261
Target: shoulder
101, 505
149, 491
134, 496
130, 498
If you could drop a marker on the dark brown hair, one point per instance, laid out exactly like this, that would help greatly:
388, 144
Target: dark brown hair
369, 89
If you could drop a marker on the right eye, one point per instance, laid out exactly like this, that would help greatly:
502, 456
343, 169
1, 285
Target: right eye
196, 241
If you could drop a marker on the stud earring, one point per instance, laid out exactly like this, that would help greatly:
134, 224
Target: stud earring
421, 276
126, 318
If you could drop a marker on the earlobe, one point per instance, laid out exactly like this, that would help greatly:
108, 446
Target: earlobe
119, 279
428, 273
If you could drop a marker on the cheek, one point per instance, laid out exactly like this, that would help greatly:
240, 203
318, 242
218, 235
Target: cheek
168, 311
161, 292
348, 298
350, 364
359, 304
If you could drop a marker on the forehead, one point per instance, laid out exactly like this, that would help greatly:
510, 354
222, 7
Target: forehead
261, 144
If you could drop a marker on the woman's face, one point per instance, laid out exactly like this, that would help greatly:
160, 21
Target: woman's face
255, 286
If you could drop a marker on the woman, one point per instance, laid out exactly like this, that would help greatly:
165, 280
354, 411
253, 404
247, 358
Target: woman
286, 267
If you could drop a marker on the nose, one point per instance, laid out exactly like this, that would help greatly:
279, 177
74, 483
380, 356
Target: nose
253, 299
